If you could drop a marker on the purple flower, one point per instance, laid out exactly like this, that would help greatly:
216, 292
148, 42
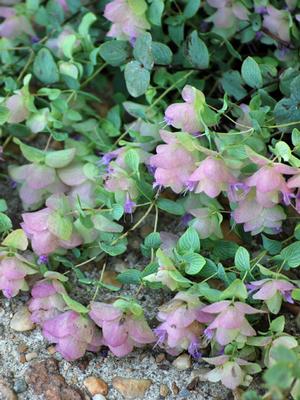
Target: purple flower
73, 333
181, 326
129, 205
122, 329
261, 10
43, 259
273, 291
173, 163
13, 271
230, 323
47, 300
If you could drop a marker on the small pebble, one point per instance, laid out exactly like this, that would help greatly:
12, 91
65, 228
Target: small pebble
131, 388
160, 357
164, 390
21, 321
99, 397
51, 350
20, 386
175, 388
96, 385
6, 393
182, 362
31, 356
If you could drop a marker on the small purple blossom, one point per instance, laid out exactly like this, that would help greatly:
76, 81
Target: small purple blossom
129, 205
43, 259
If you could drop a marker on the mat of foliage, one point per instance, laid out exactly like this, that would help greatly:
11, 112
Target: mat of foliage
183, 110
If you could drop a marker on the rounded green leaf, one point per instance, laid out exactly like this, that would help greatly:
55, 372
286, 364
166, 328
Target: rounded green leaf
251, 73
137, 78
45, 68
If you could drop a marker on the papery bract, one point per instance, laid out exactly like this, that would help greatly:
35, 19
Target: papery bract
212, 177
230, 323
73, 333
277, 22
40, 227
173, 163
47, 300
257, 218
185, 116
13, 272
126, 22
272, 291
182, 324
122, 329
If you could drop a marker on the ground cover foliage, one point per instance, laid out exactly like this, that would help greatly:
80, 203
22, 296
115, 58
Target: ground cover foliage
184, 111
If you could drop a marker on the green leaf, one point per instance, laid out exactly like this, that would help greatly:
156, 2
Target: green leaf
132, 160
137, 78
189, 241
283, 150
272, 246
31, 153
117, 211
86, 23
197, 51
155, 12
162, 53
45, 68
3, 205
74, 305
171, 206
296, 294
242, 259
177, 277
114, 52
233, 85
5, 223
195, 262
277, 325
104, 224
278, 376
291, 254
60, 158
17, 240
130, 277
152, 241
4, 114
236, 289
138, 6
60, 226
143, 50
191, 8
251, 73
114, 250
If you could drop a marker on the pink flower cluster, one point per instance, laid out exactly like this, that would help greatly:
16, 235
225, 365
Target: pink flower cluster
49, 228
13, 273
122, 329
128, 21
255, 199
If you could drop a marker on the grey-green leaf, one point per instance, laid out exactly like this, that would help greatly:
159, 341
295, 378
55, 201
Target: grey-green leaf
114, 52
251, 73
45, 68
197, 51
137, 78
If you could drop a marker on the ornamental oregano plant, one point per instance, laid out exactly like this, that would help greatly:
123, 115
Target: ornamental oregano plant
181, 116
